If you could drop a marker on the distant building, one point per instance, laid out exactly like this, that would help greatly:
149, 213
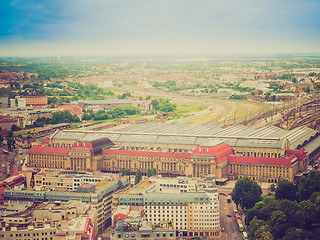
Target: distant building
287, 97
293, 87
108, 104
24, 142
36, 101
105, 84
72, 108
143, 105
4, 97
6, 122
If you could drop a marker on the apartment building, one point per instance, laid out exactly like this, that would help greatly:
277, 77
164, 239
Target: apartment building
52, 221
194, 212
53, 186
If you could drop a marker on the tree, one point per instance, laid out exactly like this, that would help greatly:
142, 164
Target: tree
306, 89
264, 233
155, 104
151, 172
15, 128
10, 141
308, 185
277, 223
295, 215
299, 234
286, 190
125, 172
166, 106
311, 212
246, 192
138, 176
254, 225
272, 188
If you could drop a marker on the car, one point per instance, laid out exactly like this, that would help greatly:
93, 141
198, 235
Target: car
228, 215
222, 229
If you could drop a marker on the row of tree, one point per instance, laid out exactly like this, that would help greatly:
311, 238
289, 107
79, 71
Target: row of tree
138, 176
163, 105
57, 117
111, 114
292, 213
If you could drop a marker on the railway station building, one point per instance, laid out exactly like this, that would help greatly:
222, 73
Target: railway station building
266, 154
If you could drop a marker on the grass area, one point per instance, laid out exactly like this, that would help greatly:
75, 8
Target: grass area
201, 118
186, 108
240, 113
26, 132
177, 116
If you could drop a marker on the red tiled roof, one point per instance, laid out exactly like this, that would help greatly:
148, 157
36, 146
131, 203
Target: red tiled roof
261, 160
81, 148
146, 153
221, 152
83, 145
14, 174
40, 149
119, 216
44, 142
74, 109
300, 154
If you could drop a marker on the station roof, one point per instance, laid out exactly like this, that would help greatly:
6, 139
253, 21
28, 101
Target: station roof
311, 146
300, 136
146, 153
177, 133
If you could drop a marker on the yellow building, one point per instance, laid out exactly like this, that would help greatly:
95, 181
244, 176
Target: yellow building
36, 100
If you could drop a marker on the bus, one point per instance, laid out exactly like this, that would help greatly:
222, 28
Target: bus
240, 225
245, 236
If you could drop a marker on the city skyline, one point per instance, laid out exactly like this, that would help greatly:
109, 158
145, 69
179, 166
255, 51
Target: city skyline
58, 28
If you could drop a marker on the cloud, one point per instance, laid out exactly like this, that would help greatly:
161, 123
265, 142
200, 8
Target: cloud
163, 26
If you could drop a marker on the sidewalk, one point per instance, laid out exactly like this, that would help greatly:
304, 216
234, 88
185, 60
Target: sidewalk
265, 187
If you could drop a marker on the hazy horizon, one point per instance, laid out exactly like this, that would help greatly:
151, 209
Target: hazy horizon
161, 28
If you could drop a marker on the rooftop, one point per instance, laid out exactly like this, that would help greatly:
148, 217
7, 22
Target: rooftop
262, 160
177, 133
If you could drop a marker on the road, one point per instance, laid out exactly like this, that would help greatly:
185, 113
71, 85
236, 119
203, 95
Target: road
231, 230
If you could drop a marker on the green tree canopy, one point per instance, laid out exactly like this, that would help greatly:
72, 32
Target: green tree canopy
151, 172
299, 234
278, 223
246, 192
308, 185
138, 176
125, 171
256, 228
286, 190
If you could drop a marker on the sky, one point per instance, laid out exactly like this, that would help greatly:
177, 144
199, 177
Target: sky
158, 27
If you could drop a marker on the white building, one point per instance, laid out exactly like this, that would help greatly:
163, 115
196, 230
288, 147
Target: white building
190, 205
